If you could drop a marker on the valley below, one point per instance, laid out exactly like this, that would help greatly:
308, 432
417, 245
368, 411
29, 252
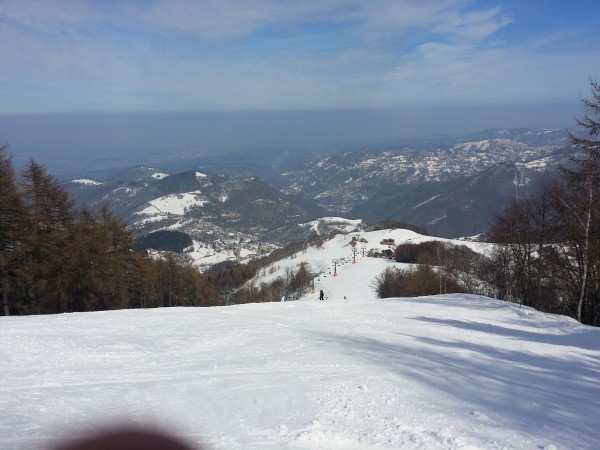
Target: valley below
451, 189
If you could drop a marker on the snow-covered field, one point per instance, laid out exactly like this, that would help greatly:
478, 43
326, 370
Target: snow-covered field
440, 372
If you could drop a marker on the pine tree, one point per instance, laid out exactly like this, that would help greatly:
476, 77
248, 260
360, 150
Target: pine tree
85, 261
49, 212
11, 220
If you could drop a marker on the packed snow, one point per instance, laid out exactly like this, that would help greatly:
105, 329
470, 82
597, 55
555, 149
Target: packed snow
439, 372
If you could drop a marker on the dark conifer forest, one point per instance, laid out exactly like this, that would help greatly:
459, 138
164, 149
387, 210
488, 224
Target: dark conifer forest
57, 258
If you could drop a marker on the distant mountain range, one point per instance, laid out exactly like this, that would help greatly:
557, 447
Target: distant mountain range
450, 187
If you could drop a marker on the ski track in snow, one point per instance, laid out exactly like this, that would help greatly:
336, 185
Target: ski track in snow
440, 372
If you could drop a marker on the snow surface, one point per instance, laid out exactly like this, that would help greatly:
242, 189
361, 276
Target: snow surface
438, 372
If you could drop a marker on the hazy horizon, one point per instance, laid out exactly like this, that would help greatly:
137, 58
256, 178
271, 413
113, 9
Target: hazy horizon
92, 79
69, 142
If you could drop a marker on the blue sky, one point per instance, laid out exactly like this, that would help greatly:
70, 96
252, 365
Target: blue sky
185, 55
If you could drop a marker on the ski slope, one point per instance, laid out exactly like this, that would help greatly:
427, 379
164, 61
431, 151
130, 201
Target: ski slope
439, 372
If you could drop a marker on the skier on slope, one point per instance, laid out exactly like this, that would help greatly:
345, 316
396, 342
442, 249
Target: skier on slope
321, 295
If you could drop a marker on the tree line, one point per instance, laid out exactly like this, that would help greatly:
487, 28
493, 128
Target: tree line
435, 267
232, 278
55, 257
548, 252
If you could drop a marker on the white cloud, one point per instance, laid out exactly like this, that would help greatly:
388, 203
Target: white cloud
231, 19
266, 53
49, 15
478, 24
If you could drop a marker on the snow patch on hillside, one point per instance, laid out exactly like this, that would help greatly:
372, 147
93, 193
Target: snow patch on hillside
206, 256
87, 182
341, 224
174, 204
151, 219
474, 146
426, 201
539, 164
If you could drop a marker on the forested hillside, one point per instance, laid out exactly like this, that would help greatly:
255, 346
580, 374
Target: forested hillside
57, 258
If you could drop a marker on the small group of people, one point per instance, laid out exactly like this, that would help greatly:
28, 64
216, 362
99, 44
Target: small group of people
322, 295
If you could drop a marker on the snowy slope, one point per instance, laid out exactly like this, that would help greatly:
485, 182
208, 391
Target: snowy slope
339, 249
439, 372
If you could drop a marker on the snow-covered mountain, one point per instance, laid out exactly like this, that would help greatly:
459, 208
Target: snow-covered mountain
343, 181
438, 372
466, 175
460, 207
222, 215
452, 189
150, 200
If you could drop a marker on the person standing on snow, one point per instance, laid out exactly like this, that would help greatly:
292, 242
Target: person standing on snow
321, 295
